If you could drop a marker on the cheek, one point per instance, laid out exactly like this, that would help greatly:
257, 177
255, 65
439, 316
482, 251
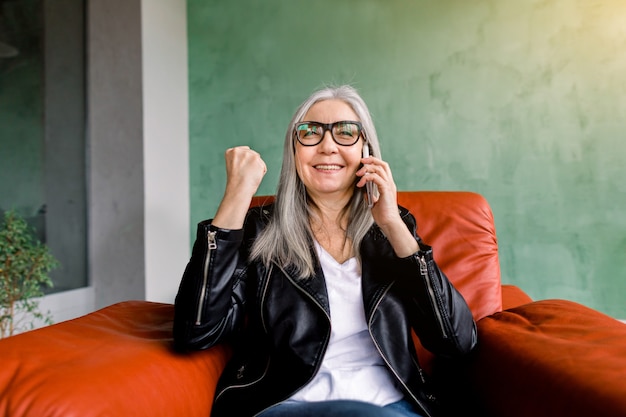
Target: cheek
298, 161
354, 160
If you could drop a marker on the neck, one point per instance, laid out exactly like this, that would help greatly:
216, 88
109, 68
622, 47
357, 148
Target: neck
330, 209
329, 225
330, 233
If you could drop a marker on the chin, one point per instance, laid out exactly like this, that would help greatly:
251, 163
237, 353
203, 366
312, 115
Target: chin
332, 191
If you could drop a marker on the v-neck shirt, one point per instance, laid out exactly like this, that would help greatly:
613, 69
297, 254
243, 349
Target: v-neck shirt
352, 367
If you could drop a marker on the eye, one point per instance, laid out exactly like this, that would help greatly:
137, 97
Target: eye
308, 131
314, 130
346, 129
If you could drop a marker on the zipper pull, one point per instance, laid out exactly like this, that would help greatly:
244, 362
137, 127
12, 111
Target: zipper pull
423, 267
240, 372
211, 239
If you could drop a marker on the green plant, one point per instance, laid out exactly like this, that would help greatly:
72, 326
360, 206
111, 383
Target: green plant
24, 266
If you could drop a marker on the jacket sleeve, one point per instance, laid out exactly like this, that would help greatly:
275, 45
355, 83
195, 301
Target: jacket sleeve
440, 315
210, 302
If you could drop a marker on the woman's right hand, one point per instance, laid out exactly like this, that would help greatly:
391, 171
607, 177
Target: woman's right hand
245, 170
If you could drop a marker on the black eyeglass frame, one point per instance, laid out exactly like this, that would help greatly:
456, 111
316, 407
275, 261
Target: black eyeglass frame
328, 127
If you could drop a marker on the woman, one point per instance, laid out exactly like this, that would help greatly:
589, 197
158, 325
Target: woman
318, 292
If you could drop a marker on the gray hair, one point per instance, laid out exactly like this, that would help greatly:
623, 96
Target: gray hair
288, 239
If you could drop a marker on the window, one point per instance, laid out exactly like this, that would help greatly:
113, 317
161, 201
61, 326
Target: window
42, 127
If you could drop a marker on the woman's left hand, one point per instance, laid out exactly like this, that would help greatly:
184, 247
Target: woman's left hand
385, 208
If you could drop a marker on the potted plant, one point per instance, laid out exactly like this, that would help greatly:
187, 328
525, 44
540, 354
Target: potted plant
24, 266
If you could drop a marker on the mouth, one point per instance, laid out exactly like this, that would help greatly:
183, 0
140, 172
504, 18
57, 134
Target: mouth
327, 167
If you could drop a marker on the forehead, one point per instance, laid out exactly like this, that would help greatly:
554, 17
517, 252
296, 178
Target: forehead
328, 111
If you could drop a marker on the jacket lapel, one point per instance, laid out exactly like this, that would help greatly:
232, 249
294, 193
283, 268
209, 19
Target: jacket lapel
376, 275
314, 286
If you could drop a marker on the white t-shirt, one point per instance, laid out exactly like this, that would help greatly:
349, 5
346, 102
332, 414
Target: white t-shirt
352, 368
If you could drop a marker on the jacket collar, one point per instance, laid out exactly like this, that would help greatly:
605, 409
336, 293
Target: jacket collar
374, 285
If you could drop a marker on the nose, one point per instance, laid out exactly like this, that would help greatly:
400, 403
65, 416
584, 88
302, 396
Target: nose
327, 145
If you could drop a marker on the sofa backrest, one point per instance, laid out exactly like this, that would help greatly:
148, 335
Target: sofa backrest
459, 226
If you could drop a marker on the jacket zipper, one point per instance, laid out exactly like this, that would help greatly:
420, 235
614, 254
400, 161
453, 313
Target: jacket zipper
424, 270
211, 245
263, 295
267, 366
382, 355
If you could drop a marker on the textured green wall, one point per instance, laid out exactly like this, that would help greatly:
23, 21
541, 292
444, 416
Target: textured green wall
523, 102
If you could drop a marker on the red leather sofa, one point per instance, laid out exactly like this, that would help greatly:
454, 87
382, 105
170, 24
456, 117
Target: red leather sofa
535, 358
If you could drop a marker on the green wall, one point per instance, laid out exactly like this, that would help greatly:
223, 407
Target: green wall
523, 102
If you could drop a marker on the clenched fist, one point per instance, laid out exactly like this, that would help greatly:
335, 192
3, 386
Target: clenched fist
244, 172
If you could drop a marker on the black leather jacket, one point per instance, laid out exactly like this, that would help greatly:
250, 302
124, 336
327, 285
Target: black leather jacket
279, 326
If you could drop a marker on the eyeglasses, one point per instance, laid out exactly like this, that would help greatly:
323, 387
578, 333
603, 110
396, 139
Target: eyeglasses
344, 133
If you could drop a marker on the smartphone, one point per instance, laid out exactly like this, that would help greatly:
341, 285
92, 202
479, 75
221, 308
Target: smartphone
369, 186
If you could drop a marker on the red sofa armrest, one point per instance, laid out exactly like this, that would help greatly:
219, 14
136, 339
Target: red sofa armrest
550, 358
117, 361
513, 296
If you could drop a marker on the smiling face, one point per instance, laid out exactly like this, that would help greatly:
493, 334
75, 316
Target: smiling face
328, 169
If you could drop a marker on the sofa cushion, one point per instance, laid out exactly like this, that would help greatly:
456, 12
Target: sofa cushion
551, 358
117, 361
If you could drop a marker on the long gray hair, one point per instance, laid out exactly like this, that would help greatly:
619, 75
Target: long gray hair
288, 239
